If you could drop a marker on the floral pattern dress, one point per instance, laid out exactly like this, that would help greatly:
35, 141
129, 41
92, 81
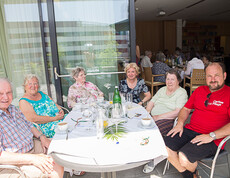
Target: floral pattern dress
45, 107
89, 91
136, 91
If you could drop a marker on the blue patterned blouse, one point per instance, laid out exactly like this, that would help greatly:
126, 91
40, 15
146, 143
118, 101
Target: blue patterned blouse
45, 107
136, 91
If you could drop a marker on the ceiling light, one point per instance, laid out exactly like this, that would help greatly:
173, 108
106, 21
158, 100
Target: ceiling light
161, 13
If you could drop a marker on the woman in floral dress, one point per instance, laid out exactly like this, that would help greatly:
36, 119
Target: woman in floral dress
39, 107
81, 89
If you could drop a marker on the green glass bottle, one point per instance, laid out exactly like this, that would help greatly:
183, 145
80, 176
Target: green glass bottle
116, 96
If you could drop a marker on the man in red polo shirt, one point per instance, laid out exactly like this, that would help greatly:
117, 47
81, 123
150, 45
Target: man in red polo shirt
210, 123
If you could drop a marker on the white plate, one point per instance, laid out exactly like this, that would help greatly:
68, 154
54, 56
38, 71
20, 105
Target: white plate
152, 125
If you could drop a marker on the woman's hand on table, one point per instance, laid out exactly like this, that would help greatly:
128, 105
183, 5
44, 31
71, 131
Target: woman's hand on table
140, 103
59, 116
61, 111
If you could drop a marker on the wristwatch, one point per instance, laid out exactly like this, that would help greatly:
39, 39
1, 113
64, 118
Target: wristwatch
213, 135
40, 136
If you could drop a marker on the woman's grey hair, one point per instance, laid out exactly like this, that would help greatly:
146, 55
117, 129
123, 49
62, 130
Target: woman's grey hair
75, 72
29, 77
8, 81
175, 72
160, 56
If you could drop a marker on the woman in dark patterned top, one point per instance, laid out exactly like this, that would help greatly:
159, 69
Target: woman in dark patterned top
134, 85
159, 67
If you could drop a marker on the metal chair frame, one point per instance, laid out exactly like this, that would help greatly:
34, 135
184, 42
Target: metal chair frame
213, 158
64, 109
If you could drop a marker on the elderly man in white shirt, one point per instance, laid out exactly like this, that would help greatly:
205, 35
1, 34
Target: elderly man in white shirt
195, 63
145, 62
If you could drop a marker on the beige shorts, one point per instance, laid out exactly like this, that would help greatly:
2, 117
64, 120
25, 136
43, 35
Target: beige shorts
29, 171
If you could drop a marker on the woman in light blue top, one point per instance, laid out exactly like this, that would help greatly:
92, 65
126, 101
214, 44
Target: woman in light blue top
39, 107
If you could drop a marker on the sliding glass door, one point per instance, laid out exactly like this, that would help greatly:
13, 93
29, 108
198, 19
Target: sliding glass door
93, 34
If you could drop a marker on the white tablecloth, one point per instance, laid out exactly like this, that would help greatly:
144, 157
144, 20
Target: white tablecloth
84, 151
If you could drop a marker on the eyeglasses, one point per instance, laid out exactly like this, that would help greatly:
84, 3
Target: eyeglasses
31, 84
207, 100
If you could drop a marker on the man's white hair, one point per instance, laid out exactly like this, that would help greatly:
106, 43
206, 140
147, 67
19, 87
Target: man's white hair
8, 81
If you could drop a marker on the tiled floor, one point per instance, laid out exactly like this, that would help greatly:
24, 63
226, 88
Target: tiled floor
221, 171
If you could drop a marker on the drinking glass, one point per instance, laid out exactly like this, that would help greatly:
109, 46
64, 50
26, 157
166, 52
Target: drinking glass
123, 97
116, 117
129, 99
110, 98
124, 113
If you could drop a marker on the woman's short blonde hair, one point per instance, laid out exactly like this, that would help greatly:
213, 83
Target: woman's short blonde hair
75, 72
132, 65
29, 77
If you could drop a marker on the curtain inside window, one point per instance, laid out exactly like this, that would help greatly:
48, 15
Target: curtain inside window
21, 47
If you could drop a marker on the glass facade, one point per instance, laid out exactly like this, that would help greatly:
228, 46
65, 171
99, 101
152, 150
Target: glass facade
93, 34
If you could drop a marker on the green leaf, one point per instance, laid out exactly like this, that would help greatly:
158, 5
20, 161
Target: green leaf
110, 132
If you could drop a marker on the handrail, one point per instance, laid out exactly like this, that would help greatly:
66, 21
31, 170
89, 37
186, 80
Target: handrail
99, 73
